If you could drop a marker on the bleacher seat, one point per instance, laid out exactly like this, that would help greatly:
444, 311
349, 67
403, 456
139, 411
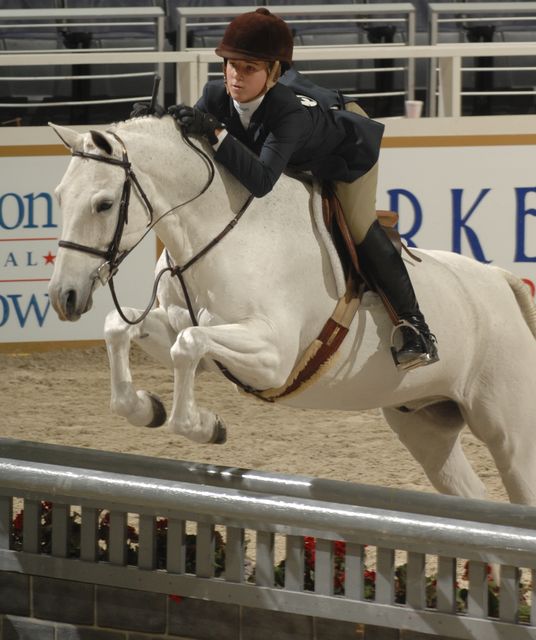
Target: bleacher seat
24, 39
131, 32
526, 78
173, 5
346, 82
32, 4
25, 33
113, 36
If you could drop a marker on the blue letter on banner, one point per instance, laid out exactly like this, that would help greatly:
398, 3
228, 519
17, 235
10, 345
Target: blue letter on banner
394, 206
19, 215
22, 314
521, 213
459, 222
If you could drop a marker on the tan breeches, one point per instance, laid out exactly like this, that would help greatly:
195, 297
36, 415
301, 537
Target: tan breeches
358, 198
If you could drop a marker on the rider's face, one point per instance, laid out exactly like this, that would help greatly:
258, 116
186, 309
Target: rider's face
246, 79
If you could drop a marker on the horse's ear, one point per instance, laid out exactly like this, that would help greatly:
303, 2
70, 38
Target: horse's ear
70, 138
101, 141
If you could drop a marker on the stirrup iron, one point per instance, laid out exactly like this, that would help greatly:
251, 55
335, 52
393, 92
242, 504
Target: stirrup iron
420, 359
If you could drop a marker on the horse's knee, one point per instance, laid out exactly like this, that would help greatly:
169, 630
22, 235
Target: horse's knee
116, 328
189, 345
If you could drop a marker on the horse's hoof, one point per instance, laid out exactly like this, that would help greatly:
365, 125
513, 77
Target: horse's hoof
220, 433
159, 411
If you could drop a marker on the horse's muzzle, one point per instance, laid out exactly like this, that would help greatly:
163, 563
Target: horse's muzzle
69, 304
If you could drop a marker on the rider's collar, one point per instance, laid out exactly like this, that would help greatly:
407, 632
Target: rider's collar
247, 109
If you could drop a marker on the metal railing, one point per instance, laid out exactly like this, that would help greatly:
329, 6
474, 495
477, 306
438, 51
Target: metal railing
191, 67
332, 63
389, 23
76, 30
495, 17
448, 58
243, 503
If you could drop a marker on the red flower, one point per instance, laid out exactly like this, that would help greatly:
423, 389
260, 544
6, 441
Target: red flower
339, 580
310, 551
309, 543
18, 521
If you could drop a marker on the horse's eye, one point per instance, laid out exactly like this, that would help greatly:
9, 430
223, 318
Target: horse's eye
104, 206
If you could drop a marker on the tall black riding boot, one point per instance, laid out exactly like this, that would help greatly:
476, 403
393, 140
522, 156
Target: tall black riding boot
385, 270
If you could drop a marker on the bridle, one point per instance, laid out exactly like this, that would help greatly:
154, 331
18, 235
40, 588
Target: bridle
111, 255
114, 257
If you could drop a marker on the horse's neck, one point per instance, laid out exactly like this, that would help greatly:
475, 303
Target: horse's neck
175, 175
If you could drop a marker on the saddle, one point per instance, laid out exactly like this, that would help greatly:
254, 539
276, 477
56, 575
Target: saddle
344, 244
322, 351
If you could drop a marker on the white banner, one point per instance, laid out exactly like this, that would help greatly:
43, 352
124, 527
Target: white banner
30, 227
476, 200
479, 200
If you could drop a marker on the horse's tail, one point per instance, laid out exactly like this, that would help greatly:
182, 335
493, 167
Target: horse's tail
523, 297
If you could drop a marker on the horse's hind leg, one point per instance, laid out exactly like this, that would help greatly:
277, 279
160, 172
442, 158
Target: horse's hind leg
503, 418
154, 335
432, 436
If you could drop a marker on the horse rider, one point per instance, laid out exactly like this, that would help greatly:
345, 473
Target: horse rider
263, 105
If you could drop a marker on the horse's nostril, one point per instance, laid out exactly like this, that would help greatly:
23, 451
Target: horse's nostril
70, 302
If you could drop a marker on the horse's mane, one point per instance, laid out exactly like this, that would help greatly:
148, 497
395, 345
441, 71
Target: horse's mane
165, 128
148, 124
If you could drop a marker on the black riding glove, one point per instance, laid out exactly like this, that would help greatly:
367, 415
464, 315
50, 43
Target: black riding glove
196, 121
145, 109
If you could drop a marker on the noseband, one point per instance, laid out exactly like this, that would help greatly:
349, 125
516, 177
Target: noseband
114, 257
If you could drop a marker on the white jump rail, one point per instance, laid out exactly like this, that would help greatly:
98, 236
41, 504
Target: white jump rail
446, 13
268, 504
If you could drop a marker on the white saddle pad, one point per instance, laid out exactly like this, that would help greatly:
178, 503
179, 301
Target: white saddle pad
318, 218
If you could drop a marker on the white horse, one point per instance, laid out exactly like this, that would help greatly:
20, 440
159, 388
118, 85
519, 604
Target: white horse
262, 294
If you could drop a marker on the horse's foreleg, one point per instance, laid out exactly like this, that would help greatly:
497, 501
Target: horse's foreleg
247, 350
154, 335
